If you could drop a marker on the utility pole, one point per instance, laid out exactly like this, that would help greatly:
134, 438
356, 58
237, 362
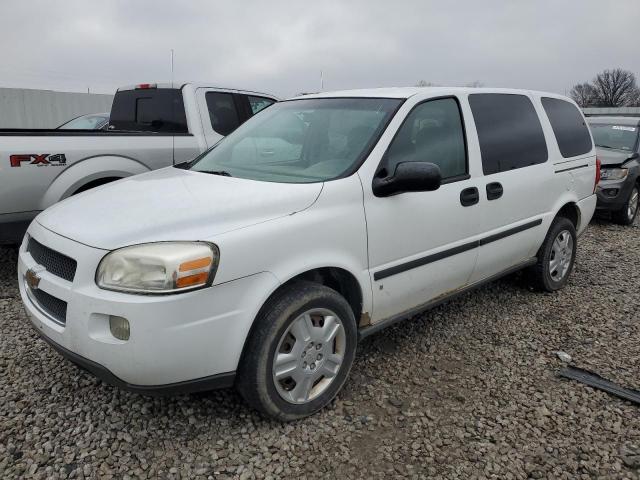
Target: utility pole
321, 81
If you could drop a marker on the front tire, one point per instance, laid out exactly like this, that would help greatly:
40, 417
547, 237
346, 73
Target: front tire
627, 214
556, 256
299, 353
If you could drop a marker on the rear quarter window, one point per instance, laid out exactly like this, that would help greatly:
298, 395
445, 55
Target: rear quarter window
509, 131
569, 127
259, 103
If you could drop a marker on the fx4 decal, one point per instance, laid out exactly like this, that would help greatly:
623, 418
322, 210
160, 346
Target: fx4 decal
40, 160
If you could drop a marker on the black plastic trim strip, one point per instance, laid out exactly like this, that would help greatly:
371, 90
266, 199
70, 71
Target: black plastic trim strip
596, 381
213, 382
371, 329
572, 168
419, 262
511, 231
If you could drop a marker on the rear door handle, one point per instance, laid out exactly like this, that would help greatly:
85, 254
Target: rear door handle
494, 190
469, 196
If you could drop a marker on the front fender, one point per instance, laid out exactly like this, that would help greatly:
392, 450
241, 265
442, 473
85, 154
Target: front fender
88, 170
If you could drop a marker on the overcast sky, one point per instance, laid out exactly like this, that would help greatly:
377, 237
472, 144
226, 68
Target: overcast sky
282, 46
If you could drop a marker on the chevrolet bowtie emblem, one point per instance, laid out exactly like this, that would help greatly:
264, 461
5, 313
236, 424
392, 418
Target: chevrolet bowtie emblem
32, 278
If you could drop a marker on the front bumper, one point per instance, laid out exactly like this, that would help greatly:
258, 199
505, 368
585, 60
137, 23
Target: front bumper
184, 342
213, 382
613, 194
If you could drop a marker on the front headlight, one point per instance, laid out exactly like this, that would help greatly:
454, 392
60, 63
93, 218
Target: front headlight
613, 173
163, 267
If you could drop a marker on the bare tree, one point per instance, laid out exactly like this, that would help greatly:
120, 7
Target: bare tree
475, 84
615, 88
424, 83
583, 94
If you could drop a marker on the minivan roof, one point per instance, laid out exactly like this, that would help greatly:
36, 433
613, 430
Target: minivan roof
635, 121
406, 92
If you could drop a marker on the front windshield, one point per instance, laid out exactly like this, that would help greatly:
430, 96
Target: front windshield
86, 122
620, 137
301, 141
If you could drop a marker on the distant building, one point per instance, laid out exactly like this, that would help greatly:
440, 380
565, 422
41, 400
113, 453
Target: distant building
27, 108
612, 112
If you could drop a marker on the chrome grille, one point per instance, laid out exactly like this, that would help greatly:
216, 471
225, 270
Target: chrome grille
56, 263
52, 306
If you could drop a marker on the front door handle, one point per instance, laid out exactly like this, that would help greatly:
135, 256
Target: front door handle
469, 196
494, 190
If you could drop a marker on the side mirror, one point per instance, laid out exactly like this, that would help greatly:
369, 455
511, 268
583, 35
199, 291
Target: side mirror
408, 177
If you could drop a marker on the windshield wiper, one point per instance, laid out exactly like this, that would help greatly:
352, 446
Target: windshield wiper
222, 173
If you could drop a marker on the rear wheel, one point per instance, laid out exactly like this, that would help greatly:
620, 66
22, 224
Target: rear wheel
627, 214
299, 353
556, 256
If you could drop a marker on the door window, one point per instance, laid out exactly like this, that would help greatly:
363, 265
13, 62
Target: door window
509, 131
433, 133
258, 103
222, 112
568, 126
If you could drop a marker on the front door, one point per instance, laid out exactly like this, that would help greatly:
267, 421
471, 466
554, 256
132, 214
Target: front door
421, 244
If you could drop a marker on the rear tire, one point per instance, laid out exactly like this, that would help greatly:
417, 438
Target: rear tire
627, 214
555, 257
299, 353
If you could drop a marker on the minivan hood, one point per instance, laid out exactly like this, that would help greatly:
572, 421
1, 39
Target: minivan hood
172, 204
608, 156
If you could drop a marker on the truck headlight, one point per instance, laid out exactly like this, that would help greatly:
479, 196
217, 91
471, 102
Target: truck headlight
613, 173
163, 267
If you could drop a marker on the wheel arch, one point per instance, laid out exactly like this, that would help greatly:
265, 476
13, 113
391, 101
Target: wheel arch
336, 278
571, 212
89, 170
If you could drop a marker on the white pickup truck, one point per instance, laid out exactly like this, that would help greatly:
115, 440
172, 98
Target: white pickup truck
151, 126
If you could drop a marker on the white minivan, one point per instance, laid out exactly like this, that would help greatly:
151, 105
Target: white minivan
319, 221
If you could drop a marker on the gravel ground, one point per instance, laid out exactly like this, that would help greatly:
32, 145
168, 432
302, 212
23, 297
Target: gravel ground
468, 390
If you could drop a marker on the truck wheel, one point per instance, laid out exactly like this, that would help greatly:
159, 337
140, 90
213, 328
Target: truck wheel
556, 256
299, 353
627, 214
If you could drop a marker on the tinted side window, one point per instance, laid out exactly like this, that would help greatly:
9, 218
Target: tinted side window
222, 112
149, 110
259, 103
509, 131
432, 132
568, 126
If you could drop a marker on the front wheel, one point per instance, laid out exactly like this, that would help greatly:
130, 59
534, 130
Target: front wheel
629, 211
299, 353
556, 256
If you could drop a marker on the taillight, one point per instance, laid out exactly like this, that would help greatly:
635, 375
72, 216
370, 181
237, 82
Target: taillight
144, 86
598, 165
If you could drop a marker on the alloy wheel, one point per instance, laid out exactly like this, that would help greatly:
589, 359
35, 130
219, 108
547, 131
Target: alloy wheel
309, 355
561, 256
